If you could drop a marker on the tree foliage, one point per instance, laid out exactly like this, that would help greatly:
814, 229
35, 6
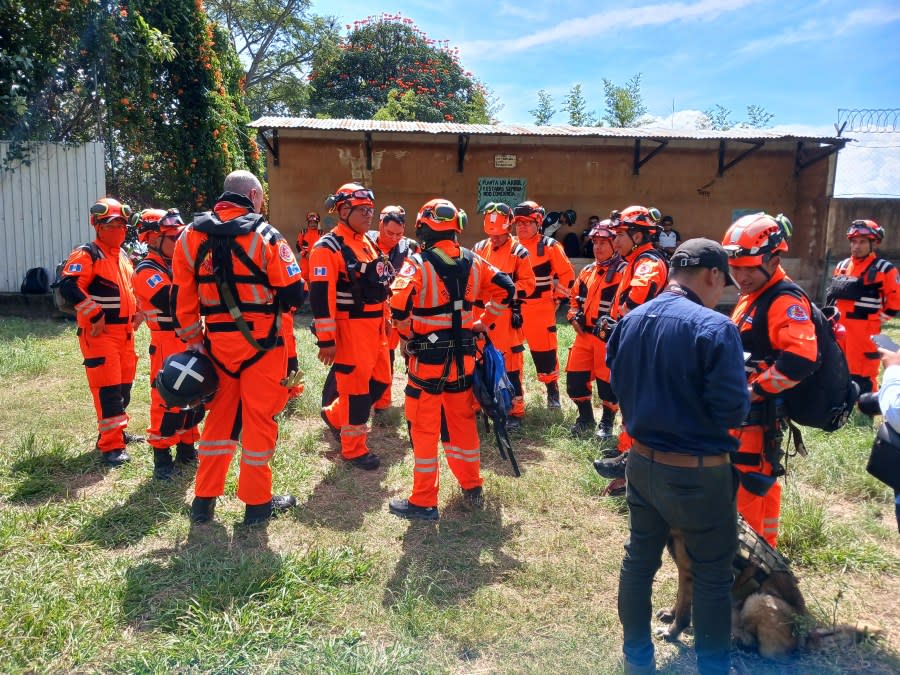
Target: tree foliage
389, 53
576, 106
156, 80
544, 111
277, 39
624, 105
719, 118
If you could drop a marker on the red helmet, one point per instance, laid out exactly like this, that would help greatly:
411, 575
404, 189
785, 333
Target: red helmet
753, 239
353, 194
602, 230
529, 211
497, 219
866, 228
638, 218
392, 213
441, 216
150, 221
108, 209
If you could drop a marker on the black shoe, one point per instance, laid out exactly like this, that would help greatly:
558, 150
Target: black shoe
260, 513
366, 462
132, 438
115, 457
203, 509
612, 468
474, 497
513, 423
605, 431
609, 453
163, 467
582, 428
185, 453
333, 429
553, 396
403, 509
616, 488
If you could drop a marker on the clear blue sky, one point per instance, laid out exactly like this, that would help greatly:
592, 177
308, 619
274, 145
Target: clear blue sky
799, 60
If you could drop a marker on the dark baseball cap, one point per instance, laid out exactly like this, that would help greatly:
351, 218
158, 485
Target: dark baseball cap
667, 219
702, 252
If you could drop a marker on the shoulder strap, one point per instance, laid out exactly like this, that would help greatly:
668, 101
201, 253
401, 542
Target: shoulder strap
146, 263
760, 327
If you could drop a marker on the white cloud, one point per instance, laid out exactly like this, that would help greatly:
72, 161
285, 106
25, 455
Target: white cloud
521, 12
869, 16
614, 20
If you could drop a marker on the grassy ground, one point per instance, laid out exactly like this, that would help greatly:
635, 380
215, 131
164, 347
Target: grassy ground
101, 570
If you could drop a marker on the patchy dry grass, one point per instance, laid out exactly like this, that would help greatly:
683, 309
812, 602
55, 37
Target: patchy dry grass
102, 571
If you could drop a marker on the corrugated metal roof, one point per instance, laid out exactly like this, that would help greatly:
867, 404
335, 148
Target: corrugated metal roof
312, 124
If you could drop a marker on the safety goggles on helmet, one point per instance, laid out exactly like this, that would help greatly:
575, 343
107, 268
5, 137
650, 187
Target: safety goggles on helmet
865, 228
363, 195
528, 211
109, 209
602, 230
151, 221
443, 213
498, 207
752, 240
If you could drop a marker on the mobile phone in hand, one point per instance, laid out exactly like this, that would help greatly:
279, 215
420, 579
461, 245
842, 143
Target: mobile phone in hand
885, 342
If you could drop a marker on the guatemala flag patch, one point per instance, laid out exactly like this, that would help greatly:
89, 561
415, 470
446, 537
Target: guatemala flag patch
74, 267
293, 269
320, 271
154, 281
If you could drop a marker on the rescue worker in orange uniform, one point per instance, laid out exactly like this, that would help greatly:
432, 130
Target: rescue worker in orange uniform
780, 358
505, 253
238, 274
96, 279
591, 303
159, 230
644, 277
866, 290
306, 239
390, 241
554, 277
432, 305
348, 289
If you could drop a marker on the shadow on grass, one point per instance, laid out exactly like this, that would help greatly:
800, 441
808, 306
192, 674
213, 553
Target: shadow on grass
447, 561
211, 576
149, 506
47, 469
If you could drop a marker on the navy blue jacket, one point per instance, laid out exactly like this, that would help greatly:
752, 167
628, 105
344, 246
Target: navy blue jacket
677, 369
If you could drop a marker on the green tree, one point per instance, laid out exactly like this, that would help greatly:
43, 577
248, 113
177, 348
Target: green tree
624, 105
388, 53
544, 111
719, 118
576, 106
758, 117
277, 41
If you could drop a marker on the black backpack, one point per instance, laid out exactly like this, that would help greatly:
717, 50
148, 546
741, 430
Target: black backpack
37, 282
62, 304
825, 398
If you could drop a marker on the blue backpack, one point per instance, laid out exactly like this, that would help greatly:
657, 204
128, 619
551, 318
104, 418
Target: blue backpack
494, 393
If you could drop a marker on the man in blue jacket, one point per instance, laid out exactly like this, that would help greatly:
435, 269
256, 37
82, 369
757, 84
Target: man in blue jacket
692, 390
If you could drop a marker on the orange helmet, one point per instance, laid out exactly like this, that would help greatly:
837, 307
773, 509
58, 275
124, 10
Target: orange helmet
637, 218
353, 194
391, 213
753, 239
441, 216
107, 209
866, 228
150, 221
529, 211
497, 219
602, 230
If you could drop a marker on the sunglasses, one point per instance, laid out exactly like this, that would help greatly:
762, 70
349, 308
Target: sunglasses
443, 213
100, 209
528, 211
498, 207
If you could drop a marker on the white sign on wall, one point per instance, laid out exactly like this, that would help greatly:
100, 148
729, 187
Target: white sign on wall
504, 161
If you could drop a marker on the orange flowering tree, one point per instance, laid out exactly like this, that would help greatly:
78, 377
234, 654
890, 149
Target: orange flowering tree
387, 67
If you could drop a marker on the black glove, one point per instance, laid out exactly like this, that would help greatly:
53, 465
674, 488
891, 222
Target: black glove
868, 404
604, 327
515, 319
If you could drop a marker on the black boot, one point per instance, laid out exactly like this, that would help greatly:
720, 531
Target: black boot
132, 438
115, 457
203, 509
584, 423
612, 468
553, 396
403, 509
163, 466
605, 428
185, 453
255, 514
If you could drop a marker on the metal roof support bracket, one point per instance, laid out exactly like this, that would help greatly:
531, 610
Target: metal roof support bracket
805, 160
723, 167
273, 146
462, 147
368, 151
638, 161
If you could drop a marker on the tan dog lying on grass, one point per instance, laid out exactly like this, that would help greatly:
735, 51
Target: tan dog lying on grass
768, 610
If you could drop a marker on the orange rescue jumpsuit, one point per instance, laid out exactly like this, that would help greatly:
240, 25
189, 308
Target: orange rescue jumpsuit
439, 394
593, 295
349, 313
306, 239
866, 291
250, 392
512, 258
153, 291
554, 277
97, 281
778, 361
